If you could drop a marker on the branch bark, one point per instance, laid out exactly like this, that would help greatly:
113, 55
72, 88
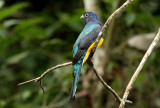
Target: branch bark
136, 73
46, 72
116, 12
107, 86
69, 63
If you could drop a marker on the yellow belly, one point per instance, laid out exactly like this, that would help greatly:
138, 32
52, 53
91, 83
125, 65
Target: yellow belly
90, 49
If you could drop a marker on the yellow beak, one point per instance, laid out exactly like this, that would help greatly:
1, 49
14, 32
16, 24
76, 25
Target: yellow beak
82, 17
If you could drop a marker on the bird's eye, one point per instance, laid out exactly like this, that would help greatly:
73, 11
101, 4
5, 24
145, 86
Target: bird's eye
86, 15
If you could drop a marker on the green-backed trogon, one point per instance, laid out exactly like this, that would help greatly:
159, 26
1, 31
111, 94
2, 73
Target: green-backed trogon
83, 46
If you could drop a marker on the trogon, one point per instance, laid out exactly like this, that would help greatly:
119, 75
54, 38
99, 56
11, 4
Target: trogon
83, 46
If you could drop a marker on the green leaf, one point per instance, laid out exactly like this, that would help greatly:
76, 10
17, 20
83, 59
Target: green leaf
6, 12
1, 3
26, 94
117, 83
10, 22
130, 18
2, 103
140, 80
55, 41
31, 29
24, 24
16, 58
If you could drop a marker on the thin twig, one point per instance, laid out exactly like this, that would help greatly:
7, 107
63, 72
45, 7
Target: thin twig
66, 64
145, 57
47, 71
41, 85
107, 86
116, 12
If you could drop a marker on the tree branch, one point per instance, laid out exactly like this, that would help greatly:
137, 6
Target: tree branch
66, 64
145, 57
107, 86
47, 71
117, 11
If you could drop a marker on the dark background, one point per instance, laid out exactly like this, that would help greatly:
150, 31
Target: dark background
38, 34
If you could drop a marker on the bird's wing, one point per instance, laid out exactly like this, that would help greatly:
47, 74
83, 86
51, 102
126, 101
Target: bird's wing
77, 56
85, 42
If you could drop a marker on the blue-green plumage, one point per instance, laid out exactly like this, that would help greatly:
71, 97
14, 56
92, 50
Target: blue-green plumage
87, 29
84, 40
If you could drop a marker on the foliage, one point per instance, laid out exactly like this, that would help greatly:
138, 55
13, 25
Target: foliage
35, 37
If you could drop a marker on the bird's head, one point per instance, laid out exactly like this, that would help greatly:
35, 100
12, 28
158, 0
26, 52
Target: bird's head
89, 17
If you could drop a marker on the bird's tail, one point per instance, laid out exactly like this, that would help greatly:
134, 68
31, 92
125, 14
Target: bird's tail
76, 72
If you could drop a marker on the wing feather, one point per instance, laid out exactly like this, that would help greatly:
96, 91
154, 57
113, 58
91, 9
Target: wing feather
85, 42
77, 56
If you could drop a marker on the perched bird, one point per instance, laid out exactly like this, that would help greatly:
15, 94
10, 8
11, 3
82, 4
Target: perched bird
83, 46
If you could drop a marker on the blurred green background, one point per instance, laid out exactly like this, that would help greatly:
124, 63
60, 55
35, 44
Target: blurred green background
38, 34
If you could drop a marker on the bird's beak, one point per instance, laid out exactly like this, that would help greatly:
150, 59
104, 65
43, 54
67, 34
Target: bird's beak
82, 17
